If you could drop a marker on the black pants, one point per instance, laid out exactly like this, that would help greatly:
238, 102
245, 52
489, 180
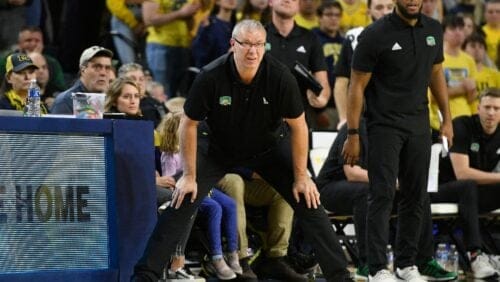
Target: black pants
346, 198
488, 196
395, 154
275, 167
464, 193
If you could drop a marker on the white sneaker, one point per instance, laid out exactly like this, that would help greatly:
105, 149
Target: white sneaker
481, 267
382, 275
410, 274
181, 275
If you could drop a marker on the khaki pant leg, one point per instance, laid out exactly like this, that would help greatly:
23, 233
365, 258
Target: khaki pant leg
279, 219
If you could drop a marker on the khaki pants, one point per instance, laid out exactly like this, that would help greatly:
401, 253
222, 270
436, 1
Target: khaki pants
259, 193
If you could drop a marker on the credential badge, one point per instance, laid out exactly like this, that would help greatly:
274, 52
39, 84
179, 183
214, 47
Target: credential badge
430, 40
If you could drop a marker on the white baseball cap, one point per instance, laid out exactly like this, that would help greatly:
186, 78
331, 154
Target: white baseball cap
91, 52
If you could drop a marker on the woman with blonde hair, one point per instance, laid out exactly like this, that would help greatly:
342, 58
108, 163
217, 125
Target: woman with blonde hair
123, 96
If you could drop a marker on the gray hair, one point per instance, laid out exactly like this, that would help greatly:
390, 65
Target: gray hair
247, 25
124, 69
151, 85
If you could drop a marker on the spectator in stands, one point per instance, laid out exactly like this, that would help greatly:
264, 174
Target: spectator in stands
168, 40
12, 19
20, 70
47, 91
486, 77
217, 209
354, 14
251, 134
255, 10
328, 33
376, 9
156, 91
127, 27
491, 28
430, 9
95, 69
30, 39
151, 109
212, 40
306, 17
470, 26
460, 73
344, 191
249, 189
475, 156
302, 46
400, 46
123, 96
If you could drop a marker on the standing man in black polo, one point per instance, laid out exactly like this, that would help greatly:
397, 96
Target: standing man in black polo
251, 106
289, 43
396, 59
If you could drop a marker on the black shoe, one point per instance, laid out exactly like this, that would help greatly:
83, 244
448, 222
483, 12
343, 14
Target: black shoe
302, 263
278, 268
248, 274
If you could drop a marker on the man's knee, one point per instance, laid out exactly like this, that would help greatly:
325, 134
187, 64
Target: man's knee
233, 185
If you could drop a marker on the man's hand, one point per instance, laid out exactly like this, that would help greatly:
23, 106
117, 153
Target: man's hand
184, 186
306, 187
447, 131
351, 149
469, 85
189, 9
316, 101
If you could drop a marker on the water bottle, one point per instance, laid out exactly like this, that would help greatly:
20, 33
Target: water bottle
390, 258
442, 255
33, 101
453, 259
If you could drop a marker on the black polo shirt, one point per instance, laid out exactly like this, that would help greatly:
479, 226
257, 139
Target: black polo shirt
300, 45
333, 168
244, 120
469, 139
400, 58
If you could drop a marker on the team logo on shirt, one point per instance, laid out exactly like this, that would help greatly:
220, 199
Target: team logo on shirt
225, 100
430, 40
474, 147
396, 47
301, 49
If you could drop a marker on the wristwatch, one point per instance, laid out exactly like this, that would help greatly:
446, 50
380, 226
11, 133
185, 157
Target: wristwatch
352, 131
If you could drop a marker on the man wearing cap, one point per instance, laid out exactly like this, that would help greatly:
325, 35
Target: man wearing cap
95, 69
19, 71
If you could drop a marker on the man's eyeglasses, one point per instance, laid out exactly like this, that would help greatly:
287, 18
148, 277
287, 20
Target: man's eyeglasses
248, 45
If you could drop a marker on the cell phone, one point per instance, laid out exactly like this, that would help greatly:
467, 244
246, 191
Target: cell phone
445, 150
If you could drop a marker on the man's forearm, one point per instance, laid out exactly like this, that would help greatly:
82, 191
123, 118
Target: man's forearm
188, 143
300, 146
